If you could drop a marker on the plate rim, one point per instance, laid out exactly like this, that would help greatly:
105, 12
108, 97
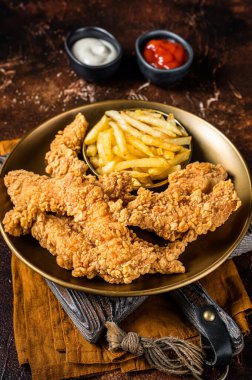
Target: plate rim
116, 292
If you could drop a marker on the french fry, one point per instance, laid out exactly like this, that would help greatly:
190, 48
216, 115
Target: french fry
129, 129
160, 177
136, 182
174, 168
139, 112
181, 140
157, 171
177, 129
168, 154
153, 113
93, 133
168, 126
158, 174
119, 137
104, 146
146, 181
153, 141
143, 169
168, 134
158, 122
115, 115
159, 151
163, 175
91, 150
146, 139
180, 157
143, 163
141, 142
137, 174
183, 149
94, 161
118, 153
135, 152
138, 144
142, 127
108, 168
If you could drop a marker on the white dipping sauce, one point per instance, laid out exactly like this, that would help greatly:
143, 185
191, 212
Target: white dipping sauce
93, 51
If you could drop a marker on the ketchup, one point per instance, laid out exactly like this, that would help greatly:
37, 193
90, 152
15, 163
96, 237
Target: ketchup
164, 54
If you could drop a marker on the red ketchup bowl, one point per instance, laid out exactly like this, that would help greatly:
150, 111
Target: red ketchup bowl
163, 57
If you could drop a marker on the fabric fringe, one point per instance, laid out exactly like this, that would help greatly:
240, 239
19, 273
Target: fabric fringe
169, 354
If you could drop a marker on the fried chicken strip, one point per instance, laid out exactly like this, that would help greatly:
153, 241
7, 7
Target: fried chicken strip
198, 199
61, 238
19, 220
74, 252
63, 155
117, 186
58, 237
120, 256
63, 159
197, 176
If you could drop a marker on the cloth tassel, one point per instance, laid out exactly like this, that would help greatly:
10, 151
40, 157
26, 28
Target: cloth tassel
169, 354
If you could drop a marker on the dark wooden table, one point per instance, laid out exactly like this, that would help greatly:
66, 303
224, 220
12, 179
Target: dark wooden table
37, 83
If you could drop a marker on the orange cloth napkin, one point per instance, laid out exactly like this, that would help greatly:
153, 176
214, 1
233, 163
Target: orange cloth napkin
47, 339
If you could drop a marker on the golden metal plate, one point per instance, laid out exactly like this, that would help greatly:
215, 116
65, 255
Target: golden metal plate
200, 258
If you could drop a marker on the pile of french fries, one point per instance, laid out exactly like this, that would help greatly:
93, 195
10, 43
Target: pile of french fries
143, 142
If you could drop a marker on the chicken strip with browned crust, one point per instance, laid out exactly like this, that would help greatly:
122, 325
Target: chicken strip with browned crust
117, 186
63, 155
62, 159
198, 199
58, 237
63, 239
197, 176
119, 255
72, 250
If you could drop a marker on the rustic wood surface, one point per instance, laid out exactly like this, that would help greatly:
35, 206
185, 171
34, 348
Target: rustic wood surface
37, 83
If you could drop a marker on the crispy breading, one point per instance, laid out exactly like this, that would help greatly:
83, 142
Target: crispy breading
57, 236
62, 159
88, 232
61, 237
94, 242
197, 199
197, 176
120, 256
19, 220
117, 186
63, 155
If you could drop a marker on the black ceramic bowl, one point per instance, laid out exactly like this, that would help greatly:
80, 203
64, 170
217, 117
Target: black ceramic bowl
162, 77
93, 73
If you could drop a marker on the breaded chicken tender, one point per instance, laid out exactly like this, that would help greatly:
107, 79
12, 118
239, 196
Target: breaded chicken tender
73, 251
196, 176
197, 199
83, 220
117, 186
119, 255
63, 155
62, 159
